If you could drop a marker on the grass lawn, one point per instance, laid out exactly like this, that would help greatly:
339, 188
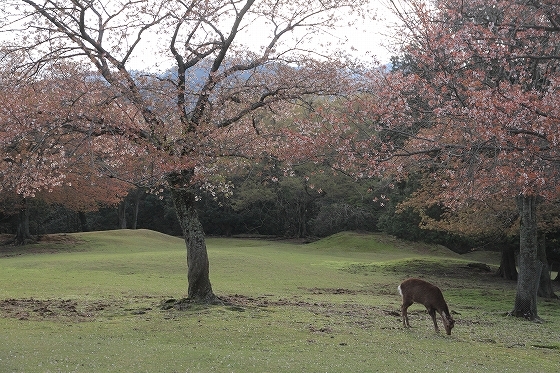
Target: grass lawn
90, 302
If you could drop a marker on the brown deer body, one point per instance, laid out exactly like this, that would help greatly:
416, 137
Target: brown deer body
415, 290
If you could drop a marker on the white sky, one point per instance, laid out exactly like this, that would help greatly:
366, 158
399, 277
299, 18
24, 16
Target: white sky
367, 40
373, 37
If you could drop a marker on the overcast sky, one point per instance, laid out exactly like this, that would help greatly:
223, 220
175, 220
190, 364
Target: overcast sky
367, 40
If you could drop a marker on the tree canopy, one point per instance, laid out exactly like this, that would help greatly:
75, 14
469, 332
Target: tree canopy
192, 123
479, 107
471, 104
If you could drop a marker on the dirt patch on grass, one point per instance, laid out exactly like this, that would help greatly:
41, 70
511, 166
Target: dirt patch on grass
70, 310
362, 316
50, 309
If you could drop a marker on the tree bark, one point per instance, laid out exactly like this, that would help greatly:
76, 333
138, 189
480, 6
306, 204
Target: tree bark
199, 288
22, 233
122, 214
136, 197
507, 268
83, 221
545, 283
530, 266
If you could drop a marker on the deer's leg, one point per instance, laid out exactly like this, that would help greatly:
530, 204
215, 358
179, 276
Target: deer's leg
432, 313
447, 324
404, 307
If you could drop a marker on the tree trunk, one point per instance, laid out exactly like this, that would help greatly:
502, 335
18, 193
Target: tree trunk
545, 284
529, 264
200, 289
302, 218
507, 268
555, 267
122, 214
22, 233
83, 221
136, 195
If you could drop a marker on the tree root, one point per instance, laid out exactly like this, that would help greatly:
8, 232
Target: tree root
185, 304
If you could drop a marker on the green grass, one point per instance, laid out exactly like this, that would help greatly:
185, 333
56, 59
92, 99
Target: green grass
90, 303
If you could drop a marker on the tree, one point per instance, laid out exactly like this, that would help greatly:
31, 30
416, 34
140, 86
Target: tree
46, 135
474, 106
488, 76
86, 191
208, 110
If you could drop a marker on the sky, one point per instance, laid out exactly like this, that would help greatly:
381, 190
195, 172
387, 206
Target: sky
374, 37
367, 40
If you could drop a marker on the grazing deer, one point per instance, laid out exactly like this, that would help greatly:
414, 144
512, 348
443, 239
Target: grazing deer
420, 291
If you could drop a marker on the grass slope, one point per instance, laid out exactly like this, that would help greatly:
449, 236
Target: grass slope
89, 302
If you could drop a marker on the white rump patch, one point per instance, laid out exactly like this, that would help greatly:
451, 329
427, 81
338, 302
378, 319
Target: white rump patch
400, 291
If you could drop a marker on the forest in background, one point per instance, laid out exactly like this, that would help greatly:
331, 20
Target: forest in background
293, 206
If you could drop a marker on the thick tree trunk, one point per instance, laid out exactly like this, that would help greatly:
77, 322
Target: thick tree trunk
530, 266
545, 283
507, 268
200, 289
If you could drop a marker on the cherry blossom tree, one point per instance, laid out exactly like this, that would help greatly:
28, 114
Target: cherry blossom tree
496, 82
50, 149
471, 103
477, 106
228, 61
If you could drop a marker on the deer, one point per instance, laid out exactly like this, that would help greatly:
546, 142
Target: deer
420, 291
